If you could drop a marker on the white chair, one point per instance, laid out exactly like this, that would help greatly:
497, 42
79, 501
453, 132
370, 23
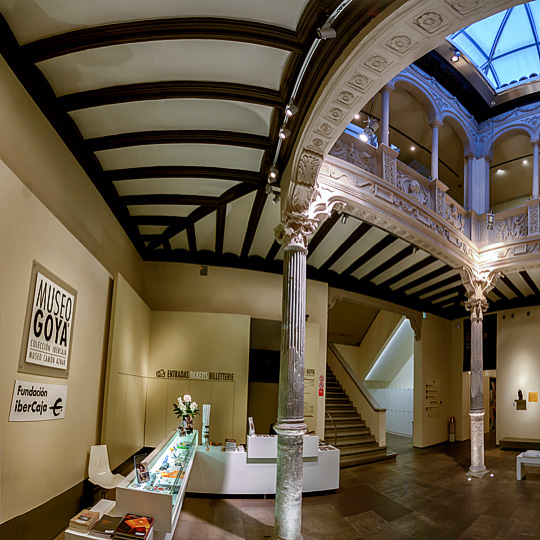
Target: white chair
99, 470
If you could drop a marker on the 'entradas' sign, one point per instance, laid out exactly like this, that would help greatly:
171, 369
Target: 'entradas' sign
194, 375
33, 401
49, 324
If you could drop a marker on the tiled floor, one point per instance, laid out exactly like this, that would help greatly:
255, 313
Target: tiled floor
424, 494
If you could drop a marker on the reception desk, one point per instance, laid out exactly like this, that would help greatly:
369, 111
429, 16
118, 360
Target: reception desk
254, 472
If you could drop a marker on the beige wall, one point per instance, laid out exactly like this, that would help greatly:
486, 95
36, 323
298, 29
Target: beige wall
127, 369
199, 342
518, 368
432, 360
39, 460
179, 287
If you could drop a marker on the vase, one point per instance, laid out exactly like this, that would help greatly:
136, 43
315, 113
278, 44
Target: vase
187, 423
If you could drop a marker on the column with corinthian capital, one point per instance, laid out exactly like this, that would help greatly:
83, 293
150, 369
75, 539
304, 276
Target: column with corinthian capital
293, 234
478, 285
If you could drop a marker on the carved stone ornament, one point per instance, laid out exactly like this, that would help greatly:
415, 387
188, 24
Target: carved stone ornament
533, 220
454, 217
349, 153
430, 22
347, 98
335, 114
412, 187
325, 129
466, 6
359, 81
389, 169
400, 44
308, 169
478, 285
440, 202
512, 228
377, 63
295, 230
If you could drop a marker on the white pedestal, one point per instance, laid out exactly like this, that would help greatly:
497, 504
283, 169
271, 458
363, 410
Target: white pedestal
529, 460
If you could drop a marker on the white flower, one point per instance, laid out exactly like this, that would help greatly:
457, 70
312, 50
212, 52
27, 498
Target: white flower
180, 401
194, 406
187, 398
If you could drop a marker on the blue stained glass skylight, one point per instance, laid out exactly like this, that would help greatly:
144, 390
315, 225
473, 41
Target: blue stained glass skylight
504, 47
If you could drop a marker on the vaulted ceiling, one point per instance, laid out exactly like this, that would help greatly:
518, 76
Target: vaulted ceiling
173, 110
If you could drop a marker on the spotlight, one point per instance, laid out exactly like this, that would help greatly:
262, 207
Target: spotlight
276, 198
364, 137
413, 148
344, 218
326, 32
357, 117
456, 55
490, 220
525, 162
272, 174
284, 133
291, 109
499, 171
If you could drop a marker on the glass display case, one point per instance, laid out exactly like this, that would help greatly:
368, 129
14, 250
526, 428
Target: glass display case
167, 469
161, 496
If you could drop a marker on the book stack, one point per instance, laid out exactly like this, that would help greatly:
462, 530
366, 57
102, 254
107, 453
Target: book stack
105, 527
83, 521
133, 526
230, 445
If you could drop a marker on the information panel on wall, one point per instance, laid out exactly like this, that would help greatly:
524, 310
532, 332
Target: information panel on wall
35, 401
48, 327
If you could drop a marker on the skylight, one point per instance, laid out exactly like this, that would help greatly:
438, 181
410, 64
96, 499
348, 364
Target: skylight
504, 47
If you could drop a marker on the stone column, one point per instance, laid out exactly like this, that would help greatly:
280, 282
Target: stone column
435, 125
290, 426
535, 170
467, 188
385, 114
478, 286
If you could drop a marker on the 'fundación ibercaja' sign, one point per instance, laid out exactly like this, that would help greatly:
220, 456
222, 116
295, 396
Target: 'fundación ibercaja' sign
48, 328
37, 401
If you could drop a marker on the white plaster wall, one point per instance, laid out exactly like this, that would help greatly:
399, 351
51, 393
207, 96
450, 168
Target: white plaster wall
39, 460
518, 368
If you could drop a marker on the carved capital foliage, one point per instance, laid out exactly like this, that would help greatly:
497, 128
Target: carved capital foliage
478, 285
302, 189
295, 230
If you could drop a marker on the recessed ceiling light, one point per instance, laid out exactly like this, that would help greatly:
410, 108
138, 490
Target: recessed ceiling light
455, 56
357, 117
500, 171
525, 162
413, 148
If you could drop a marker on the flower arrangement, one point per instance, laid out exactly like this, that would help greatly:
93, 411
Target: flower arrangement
185, 406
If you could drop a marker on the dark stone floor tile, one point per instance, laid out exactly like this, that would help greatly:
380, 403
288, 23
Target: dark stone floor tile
392, 510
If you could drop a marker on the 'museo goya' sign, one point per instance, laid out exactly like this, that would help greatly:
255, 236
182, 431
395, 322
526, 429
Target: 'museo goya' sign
49, 323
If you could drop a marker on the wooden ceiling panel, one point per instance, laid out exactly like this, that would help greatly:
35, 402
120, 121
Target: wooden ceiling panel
237, 217
202, 187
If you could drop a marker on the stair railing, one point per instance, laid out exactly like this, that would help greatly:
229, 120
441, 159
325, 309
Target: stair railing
334, 426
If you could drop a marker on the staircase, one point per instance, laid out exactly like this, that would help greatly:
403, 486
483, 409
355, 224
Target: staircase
352, 437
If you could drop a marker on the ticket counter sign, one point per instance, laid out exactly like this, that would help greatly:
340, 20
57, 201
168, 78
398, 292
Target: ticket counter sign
35, 401
49, 324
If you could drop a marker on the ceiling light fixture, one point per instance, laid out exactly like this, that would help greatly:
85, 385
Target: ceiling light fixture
284, 133
413, 148
344, 218
276, 198
326, 32
525, 162
357, 116
291, 109
273, 172
455, 56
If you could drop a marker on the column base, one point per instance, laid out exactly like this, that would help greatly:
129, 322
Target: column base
277, 537
477, 474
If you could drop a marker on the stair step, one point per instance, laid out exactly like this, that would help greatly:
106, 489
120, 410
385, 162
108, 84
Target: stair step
352, 461
347, 433
363, 449
343, 417
342, 442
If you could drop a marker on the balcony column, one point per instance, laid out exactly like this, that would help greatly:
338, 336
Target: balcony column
293, 234
467, 185
478, 285
385, 114
435, 125
535, 169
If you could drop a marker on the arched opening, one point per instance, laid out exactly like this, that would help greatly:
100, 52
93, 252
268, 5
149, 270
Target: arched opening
451, 157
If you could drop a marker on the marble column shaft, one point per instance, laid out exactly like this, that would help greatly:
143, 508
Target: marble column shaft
435, 149
536, 171
290, 425
385, 115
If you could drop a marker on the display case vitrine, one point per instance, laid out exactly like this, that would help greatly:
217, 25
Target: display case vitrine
169, 466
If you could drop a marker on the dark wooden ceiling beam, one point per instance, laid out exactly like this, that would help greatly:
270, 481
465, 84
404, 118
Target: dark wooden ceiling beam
528, 280
192, 238
160, 90
220, 229
143, 31
345, 246
188, 136
508, 282
409, 271
424, 279
180, 171
169, 199
369, 254
254, 219
438, 285
321, 233
392, 261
